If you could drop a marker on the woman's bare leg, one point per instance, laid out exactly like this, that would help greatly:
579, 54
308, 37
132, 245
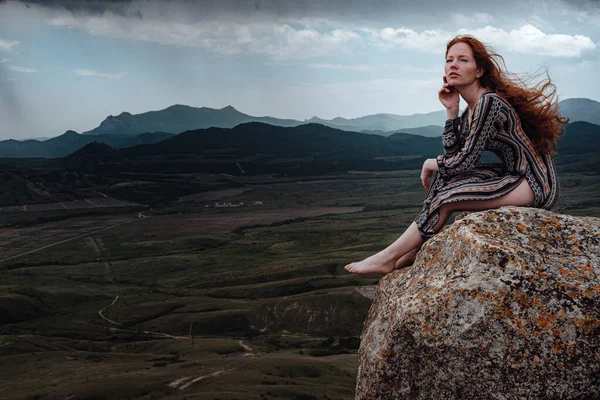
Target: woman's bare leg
384, 261
407, 259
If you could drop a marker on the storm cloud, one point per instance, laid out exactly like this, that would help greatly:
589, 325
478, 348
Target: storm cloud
385, 11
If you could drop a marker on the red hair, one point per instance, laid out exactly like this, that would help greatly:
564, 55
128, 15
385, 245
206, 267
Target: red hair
538, 111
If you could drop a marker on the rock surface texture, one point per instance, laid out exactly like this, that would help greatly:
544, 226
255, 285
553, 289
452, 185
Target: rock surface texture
502, 304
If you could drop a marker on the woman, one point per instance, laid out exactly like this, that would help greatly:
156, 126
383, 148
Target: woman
519, 124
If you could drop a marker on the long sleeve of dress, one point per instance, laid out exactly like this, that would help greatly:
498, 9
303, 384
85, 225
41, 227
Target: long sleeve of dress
465, 159
451, 136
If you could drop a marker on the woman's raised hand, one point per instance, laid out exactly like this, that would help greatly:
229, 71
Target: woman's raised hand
448, 95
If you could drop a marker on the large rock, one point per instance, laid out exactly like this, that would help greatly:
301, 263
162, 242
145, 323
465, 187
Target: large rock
503, 304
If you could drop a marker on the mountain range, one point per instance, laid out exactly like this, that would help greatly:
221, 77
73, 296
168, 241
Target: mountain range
251, 148
263, 148
181, 118
255, 140
126, 130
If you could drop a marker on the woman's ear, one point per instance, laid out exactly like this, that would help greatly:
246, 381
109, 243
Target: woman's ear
480, 72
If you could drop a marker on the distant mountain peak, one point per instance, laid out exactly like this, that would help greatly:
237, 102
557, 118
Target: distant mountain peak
339, 120
177, 106
186, 107
580, 109
95, 150
71, 133
583, 99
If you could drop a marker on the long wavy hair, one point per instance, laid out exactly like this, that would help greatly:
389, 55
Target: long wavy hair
535, 104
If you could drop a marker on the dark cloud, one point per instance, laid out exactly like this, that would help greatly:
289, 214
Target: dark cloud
83, 6
333, 9
583, 4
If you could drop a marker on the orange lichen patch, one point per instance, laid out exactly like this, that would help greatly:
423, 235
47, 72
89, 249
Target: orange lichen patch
482, 297
386, 353
558, 347
576, 275
544, 320
478, 229
551, 222
522, 228
503, 310
557, 332
576, 250
587, 324
526, 301
544, 229
426, 329
573, 237
589, 294
586, 268
520, 325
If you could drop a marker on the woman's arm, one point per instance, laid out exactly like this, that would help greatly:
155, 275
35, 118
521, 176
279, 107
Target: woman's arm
451, 136
464, 159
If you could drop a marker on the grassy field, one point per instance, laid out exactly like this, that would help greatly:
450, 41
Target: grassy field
248, 301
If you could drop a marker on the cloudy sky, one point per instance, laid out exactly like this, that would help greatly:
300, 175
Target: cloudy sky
68, 64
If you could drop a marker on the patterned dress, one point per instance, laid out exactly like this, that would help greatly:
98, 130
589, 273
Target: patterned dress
495, 127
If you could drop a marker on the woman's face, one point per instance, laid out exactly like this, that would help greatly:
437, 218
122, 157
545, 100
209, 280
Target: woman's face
460, 68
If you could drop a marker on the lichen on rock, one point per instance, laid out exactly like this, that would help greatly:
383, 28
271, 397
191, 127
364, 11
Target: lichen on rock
502, 304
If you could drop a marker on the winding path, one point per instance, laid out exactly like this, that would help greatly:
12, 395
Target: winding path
104, 308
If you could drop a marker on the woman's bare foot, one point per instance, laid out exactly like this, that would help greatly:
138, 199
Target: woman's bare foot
371, 265
407, 259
